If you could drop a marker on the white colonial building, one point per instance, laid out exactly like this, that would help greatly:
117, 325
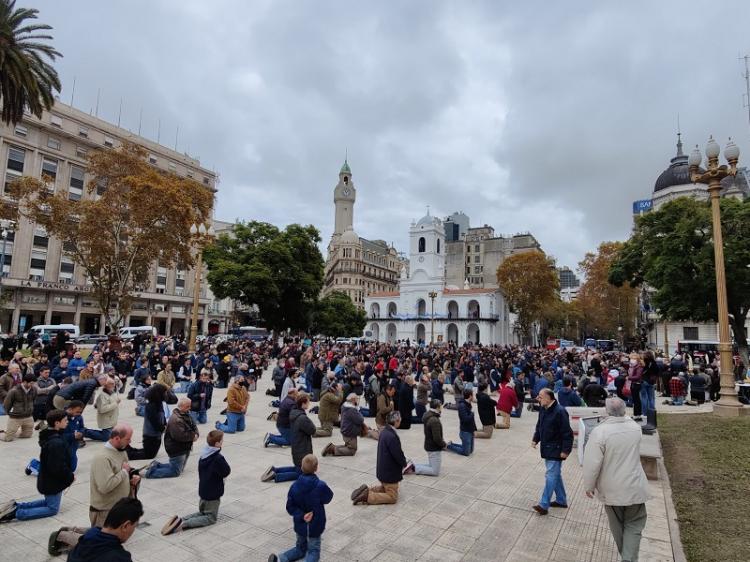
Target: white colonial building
455, 314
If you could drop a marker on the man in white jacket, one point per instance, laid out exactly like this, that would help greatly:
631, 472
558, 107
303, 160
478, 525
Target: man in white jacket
612, 468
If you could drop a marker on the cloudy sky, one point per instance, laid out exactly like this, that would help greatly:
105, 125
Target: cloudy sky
548, 117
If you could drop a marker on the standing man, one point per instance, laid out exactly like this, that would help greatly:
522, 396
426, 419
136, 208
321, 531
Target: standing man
389, 469
110, 479
554, 433
612, 468
19, 405
178, 442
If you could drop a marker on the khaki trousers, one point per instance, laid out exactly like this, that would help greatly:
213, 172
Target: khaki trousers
485, 433
97, 517
375, 433
505, 423
59, 402
383, 494
25, 424
326, 430
626, 523
349, 448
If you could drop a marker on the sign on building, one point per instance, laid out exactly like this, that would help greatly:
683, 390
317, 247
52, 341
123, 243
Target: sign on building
642, 206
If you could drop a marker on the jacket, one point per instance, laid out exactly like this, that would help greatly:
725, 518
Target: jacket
194, 392
108, 482
635, 373
391, 460
568, 397
437, 391
553, 432
140, 394
20, 402
308, 494
166, 378
433, 432
107, 409
237, 399
507, 399
385, 407
423, 393
594, 395
212, 469
486, 409
55, 471
98, 546
6, 383
466, 417
329, 406
154, 418
612, 463
302, 431
351, 420
43, 388
79, 390
180, 434
405, 405
285, 408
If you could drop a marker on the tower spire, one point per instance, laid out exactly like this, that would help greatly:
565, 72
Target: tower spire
679, 137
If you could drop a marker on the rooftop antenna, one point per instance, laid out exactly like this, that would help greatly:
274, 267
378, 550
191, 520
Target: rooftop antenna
98, 93
158, 131
746, 95
176, 135
73, 91
119, 114
140, 120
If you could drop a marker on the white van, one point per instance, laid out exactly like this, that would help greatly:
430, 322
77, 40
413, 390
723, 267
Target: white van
47, 331
130, 332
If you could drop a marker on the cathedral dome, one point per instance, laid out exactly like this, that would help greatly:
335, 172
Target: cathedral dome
349, 237
428, 220
678, 172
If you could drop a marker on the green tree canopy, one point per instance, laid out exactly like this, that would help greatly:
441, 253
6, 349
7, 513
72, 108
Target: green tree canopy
336, 315
279, 271
671, 250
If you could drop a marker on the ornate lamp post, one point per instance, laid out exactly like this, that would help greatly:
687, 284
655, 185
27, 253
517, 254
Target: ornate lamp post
201, 236
7, 228
728, 405
432, 295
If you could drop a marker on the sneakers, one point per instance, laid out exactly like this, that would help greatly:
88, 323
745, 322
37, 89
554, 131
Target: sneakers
539, 509
268, 475
272, 416
359, 496
172, 525
217, 424
328, 449
266, 439
555, 504
6, 509
409, 468
273, 558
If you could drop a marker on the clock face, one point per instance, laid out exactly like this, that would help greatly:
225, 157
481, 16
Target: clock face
347, 191
421, 259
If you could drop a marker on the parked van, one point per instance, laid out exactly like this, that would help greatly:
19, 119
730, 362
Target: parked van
130, 332
48, 331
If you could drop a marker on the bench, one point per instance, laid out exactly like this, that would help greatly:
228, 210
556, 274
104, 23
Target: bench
576, 413
650, 455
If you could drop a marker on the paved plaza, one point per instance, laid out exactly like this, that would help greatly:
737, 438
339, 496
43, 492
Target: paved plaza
478, 509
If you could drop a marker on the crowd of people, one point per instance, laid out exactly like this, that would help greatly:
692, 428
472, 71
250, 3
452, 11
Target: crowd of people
363, 390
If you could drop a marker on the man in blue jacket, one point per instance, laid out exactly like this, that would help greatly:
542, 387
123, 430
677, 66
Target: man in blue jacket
567, 395
556, 438
105, 543
389, 469
467, 426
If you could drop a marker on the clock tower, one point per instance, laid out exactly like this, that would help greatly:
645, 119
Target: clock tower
344, 196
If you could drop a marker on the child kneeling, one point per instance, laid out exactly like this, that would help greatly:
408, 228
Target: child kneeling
306, 504
212, 469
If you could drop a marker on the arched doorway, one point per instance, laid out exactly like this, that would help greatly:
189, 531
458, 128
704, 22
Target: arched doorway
451, 333
472, 333
452, 310
390, 333
420, 332
213, 327
472, 309
421, 308
375, 329
374, 310
392, 310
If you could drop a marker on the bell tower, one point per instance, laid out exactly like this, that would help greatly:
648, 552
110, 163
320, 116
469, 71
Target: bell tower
344, 196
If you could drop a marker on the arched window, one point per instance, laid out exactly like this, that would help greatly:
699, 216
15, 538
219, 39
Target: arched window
438, 245
421, 245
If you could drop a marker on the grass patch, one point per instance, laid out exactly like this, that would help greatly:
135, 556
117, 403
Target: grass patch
708, 460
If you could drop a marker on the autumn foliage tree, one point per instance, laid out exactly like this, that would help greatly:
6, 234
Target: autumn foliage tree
132, 215
605, 307
530, 285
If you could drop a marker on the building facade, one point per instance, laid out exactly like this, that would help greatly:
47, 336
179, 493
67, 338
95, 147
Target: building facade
40, 283
426, 307
354, 265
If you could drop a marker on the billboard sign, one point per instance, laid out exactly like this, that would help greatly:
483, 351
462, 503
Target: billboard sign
642, 206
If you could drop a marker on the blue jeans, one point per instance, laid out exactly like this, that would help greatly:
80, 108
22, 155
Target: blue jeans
283, 439
140, 411
420, 410
2, 410
466, 447
44, 507
516, 413
648, 398
171, 469
553, 484
307, 548
73, 447
286, 473
678, 400
235, 422
97, 434
199, 417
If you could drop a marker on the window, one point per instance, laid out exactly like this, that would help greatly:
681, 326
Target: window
34, 298
438, 245
109, 141
21, 131
468, 270
83, 131
69, 301
179, 283
690, 333
49, 170
206, 181
53, 142
421, 245
172, 167
152, 159
81, 152
101, 187
477, 258
160, 307
38, 263
190, 174
477, 269
68, 247
75, 191
55, 120
67, 267
139, 305
476, 247
16, 157
179, 308
41, 239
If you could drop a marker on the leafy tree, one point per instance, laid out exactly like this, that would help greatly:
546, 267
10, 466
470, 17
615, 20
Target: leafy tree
280, 271
562, 319
530, 284
337, 316
142, 216
671, 251
26, 79
605, 307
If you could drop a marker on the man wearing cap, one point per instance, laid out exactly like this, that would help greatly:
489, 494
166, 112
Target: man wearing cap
352, 424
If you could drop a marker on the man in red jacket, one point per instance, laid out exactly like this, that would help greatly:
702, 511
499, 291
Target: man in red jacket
506, 401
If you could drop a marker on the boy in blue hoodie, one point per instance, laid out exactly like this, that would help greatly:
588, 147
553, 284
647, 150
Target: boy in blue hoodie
212, 469
306, 504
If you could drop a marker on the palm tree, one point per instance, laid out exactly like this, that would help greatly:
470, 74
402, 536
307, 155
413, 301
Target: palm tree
26, 80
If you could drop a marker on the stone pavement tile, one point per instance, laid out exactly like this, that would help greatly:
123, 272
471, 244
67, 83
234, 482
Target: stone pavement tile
529, 548
469, 526
438, 520
482, 511
451, 507
437, 553
569, 554
410, 546
425, 531
391, 555
656, 548
487, 553
543, 528
456, 540
253, 537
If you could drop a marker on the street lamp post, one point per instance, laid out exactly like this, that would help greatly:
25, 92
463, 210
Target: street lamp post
6, 230
200, 236
432, 295
728, 405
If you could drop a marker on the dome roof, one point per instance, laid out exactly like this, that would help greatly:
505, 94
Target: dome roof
428, 220
349, 237
678, 172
